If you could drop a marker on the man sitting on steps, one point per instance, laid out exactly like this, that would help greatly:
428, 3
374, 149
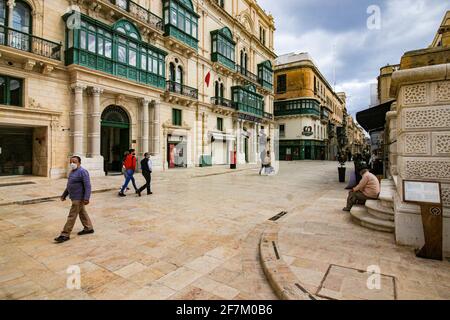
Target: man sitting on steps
368, 188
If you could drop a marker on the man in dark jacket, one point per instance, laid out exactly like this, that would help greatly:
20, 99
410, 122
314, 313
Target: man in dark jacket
79, 190
146, 167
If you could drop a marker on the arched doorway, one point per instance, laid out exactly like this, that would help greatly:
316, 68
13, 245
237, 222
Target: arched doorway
115, 137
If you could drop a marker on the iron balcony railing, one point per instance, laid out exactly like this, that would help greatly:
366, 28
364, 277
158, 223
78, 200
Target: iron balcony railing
140, 13
249, 75
220, 101
268, 115
179, 88
27, 42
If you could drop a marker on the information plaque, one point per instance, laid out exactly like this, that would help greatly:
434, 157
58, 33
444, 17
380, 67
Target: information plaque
422, 192
427, 194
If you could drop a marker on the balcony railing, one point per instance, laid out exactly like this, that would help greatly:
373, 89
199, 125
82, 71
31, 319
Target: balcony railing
179, 88
140, 13
219, 101
249, 75
268, 115
27, 42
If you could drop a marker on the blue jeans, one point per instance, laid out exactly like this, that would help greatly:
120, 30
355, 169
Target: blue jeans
129, 177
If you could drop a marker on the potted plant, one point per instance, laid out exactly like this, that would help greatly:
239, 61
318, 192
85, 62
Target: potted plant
341, 168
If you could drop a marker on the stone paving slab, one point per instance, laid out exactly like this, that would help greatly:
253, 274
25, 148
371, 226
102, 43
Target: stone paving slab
197, 238
315, 237
43, 189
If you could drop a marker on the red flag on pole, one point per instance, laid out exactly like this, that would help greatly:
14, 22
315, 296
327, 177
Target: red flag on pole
208, 78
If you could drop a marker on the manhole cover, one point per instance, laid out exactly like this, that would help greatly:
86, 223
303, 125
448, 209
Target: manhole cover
342, 283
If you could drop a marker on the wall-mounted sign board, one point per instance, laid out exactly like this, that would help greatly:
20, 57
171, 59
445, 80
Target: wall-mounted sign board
422, 192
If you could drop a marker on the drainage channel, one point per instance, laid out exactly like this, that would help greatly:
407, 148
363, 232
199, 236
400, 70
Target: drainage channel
12, 184
278, 216
28, 202
305, 291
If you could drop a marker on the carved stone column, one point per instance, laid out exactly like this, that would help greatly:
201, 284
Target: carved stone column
11, 4
78, 120
95, 125
145, 125
156, 128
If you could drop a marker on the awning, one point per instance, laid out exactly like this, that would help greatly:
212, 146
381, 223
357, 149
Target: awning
375, 117
221, 136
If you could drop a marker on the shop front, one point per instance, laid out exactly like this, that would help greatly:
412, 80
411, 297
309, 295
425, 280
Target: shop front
292, 150
177, 151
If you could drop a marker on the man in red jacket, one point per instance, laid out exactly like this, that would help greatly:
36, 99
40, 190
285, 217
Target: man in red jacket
130, 168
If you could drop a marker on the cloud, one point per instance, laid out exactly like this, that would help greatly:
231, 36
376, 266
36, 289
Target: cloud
335, 33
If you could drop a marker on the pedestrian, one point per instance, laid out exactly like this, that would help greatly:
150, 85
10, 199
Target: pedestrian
368, 188
146, 167
79, 190
124, 171
130, 167
266, 165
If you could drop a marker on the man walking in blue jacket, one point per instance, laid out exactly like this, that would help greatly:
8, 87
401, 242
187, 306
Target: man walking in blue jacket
79, 190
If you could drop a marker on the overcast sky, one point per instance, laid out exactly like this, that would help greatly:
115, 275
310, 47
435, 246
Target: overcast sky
318, 26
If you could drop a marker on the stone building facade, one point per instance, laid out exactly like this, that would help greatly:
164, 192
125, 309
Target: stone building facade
188, 81
307, 110
419, 121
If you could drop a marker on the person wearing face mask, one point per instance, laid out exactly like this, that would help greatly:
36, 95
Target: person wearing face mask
146, 166
130, 167
79, 190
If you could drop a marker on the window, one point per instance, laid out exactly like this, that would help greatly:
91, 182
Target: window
282, 129
182, 16
281, 83
265, 74
223, 47
220, 124
11, 91
176, 117
22, 17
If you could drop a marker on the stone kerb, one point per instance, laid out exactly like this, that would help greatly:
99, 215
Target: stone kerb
284, 283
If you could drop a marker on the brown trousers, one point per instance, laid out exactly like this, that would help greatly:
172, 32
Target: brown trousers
356, 198
77, 208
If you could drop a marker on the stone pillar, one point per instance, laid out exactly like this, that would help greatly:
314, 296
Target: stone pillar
156, 128
11, 4
78, 120
391, 132
145, 133
423, 152
95, 124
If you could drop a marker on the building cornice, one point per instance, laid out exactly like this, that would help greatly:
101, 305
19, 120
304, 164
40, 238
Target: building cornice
422, 74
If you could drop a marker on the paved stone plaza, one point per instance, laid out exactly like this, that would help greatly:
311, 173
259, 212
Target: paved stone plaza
197, 237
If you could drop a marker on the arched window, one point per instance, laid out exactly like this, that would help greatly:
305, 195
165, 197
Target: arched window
221, 91
179, 75
172, 72
127, 28
22, 17
216, 89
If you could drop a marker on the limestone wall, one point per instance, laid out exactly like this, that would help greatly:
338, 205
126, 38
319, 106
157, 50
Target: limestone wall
423, 148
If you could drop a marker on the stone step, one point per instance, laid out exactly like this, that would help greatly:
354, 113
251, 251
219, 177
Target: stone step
379, 210
361, 216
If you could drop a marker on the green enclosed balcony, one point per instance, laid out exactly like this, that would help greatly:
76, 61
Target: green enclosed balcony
265, 75
181, 22
298, 107
117, 50
223, 48
248, 101
324, 115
